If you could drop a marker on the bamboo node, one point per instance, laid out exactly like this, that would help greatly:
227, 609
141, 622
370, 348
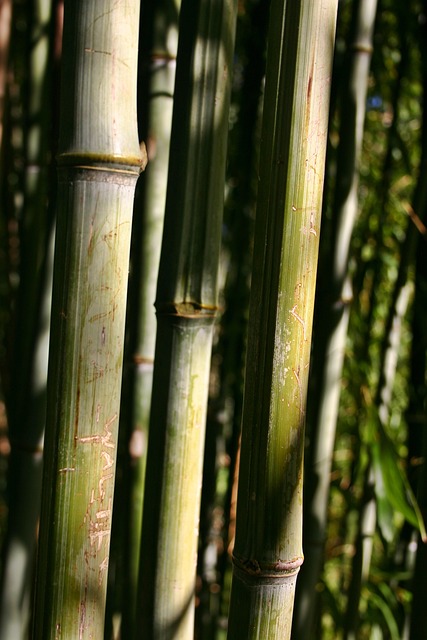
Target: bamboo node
144, 155
279, 570
186, 310
110, 163
360, 47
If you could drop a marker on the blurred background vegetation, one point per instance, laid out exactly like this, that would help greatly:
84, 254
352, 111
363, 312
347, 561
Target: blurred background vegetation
364, 552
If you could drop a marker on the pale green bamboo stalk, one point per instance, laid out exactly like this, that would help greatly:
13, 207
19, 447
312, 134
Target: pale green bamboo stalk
99, 162
268, 547
335, 294
186, 306
151, 205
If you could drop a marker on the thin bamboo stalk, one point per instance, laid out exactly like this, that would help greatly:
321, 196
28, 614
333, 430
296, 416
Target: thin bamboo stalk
417, 414
268, 546
99, 162
335, 294
27, 396
186, 306
156, 108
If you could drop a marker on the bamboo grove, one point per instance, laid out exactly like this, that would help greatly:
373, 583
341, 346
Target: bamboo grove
213, 394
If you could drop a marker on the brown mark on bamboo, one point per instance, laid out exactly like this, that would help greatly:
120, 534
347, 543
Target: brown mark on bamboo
111, 236
105, 314
309, 92
83, 613
113, 305
97, 372
77, 413
310, 84
90, 243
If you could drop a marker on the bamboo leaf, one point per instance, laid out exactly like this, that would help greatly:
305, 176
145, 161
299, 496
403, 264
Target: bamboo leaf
392, 487
376, 601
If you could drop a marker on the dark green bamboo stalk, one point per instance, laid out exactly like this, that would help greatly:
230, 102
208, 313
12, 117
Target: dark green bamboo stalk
418, 418
186, 306
225, 411
417, 410
268, 547
158, 65
99, 162
27, 396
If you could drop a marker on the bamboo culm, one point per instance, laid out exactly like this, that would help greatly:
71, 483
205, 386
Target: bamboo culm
99, 162
268, 546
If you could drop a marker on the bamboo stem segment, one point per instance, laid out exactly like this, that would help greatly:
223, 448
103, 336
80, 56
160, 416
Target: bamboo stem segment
99, 163
268, 546
186, 306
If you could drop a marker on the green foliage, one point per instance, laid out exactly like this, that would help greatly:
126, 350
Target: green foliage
392, 489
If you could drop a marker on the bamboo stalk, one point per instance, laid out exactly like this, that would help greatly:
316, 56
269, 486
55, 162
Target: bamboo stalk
335, 294
417, 413
27, 397
268, 546
159, 64
186, 306
99, 162
5, 20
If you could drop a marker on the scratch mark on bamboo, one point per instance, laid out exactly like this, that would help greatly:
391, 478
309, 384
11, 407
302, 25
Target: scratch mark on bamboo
105, 53
102, 570
297, 378
97, 534
312, 227
98, 438
104, 314
104, 513
108, 460
66, 469
299, 319
101, 489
